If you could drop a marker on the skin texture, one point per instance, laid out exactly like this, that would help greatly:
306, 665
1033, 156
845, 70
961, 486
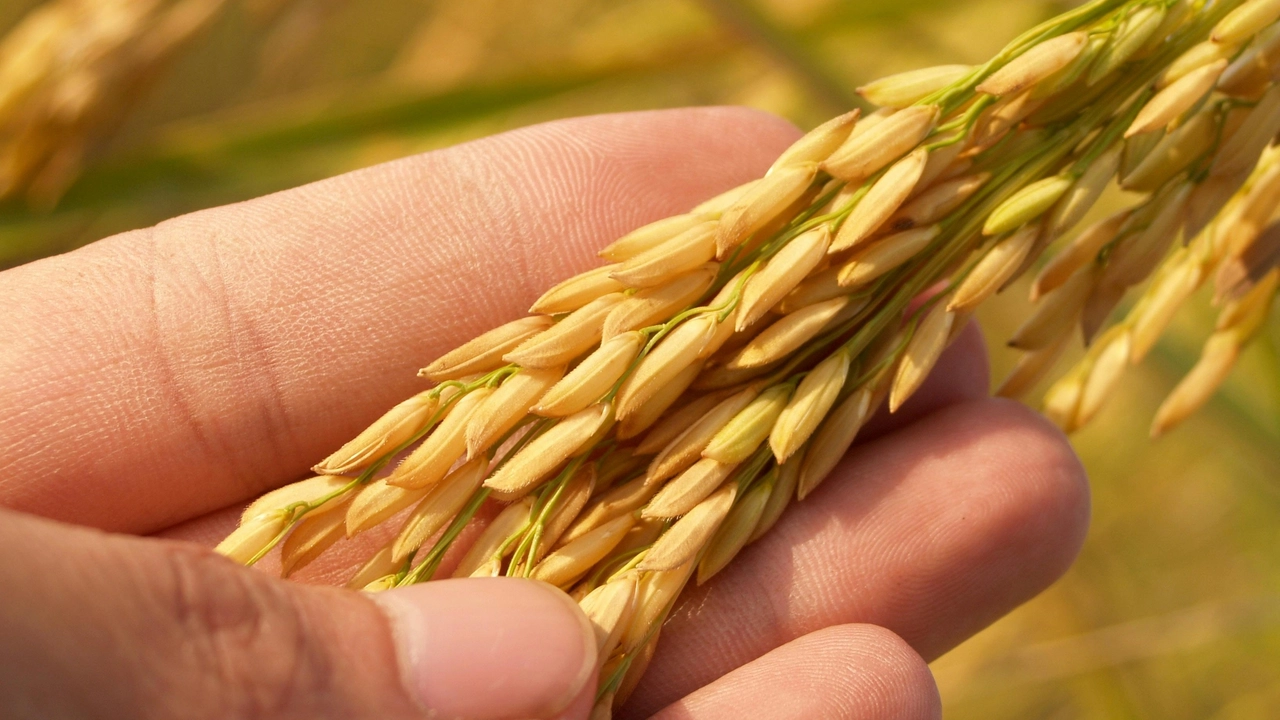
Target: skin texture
155, 381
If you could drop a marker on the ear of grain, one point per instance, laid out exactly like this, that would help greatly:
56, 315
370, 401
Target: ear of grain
430, 462
1241, 150
996, 267
377, 502
573, 335
1238, 322
1161, 302
513, 519
791, 332
573, 499
671, 356
1252, 73
1034, 65
646, 238
818, 287
688, 446
386, 433
1062, 400
881, 201
1074, 71
908, 88
921, 354
1079, 199
810, 404
682, 542
741, 436
1109, 361
658, 591
309, 539
1176, 99
1243, 22
683, 253
535, 461
654, 305
818, 143
1196, 57
303, 491
680, 419
506, 406
485, 352
722, 332
782, 274
782, 492
761, 204
832, 440
618, 466
1134, 257
718, 377
569, 563
379, 565
936, 202
866, 152
252, 536
1031, 368
1129, 39
734, 532
1173, 154
658, 403
622, 500
578, 290
996, 121
592, 378
1056, 313
610, 608
1082, 251
439, 507
885, 254
686, 490
1026, 205
1194, 390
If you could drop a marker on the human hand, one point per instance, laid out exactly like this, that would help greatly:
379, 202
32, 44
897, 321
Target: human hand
156, 380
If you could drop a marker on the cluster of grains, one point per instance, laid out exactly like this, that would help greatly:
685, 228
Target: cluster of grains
67, 73
653, 416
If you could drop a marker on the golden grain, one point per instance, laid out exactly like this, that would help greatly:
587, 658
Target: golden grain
883, 199
485, 352
430, 462
592, 378
535, 461
573, 335
507, 406
682, 542
908, 88
679, 495
812, 401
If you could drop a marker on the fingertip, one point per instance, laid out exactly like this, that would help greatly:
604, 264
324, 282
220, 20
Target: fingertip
1046, 476
883, 671
490, 648
1017, 517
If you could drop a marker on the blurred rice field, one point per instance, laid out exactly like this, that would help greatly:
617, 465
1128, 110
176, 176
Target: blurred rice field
1173, 610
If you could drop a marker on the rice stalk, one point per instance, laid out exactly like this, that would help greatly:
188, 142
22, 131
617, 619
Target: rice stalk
656, 415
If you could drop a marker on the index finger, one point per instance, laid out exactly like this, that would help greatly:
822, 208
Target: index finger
167, 372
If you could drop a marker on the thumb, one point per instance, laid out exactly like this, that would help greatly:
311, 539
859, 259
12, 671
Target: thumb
103, 626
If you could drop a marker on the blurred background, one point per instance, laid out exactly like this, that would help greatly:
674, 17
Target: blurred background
116, 114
